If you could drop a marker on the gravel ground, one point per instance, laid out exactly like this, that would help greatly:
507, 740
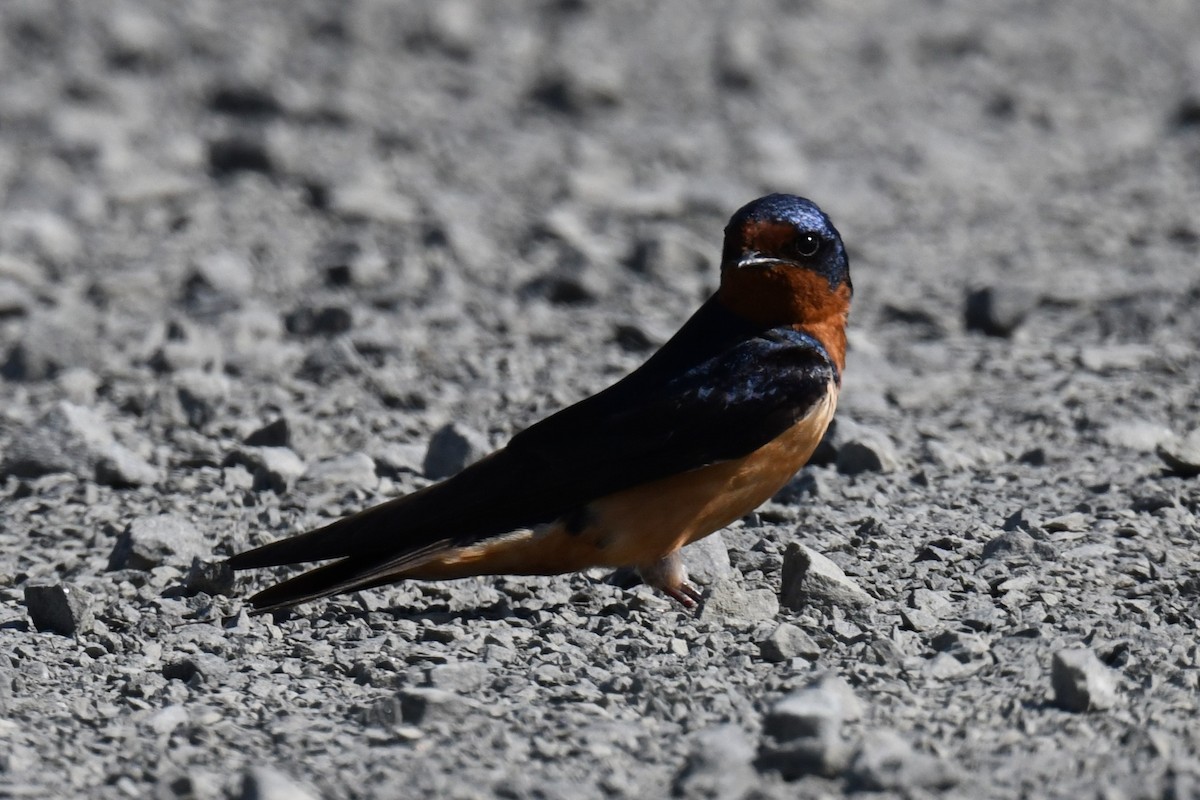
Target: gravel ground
253, 256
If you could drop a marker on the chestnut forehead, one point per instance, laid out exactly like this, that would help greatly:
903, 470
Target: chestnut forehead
768, 234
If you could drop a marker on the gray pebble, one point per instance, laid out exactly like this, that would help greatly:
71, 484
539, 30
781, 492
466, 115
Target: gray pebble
120, 467
15, 299
242, 152
59, 608
185, 346
666, 255
997, 310
370, 198
802, 732
1110, 358
166, 720
861, 449
1081, 682
460, 677
355, 469
209, 577
728, 602
707, 560
347, 263
198, 668
1016, 546
52, 342
268, 783
1139, 435
219, 282
811, 578
149, 542
885, 761
787, 642
137, 39
454, 26
201, 394
1182, 454
451, 448
276, 433
76, 439
274, 468
718, 766
326, 321
421, 706
31, 454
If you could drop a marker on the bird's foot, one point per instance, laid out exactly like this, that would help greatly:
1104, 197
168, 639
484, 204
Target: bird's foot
685, 594
670, 577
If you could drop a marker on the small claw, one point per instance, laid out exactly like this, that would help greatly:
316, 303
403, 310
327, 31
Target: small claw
669, 575
685, 594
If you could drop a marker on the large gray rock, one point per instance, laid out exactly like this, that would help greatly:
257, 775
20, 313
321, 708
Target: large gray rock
1182, 454
1081, 682
707, 561
59, 608
451, 448
149, 542
274, 469
729, 602
787, 642
76, 439
885, 761
802, 733
718, 766
811, 578
268, 783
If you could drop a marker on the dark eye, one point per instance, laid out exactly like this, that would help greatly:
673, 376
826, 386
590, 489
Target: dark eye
807, 245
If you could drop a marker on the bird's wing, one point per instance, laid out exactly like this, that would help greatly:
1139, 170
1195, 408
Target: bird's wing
647, 426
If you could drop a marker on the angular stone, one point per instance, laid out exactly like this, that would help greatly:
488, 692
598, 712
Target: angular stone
707, 561
864, 450
149, 542
209, 577
59, 608
809, 577
718, 765
1182, 454
997, 310
274, 468
451, 448
728, 601
120, 468
418, 706
885, 761
1016, 546
1138, 435
1081, 682
276, 433
802, 732
812, 711
268, 783
459, 677
323, 321
354, 469
787, 642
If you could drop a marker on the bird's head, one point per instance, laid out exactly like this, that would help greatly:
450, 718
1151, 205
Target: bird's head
784, 264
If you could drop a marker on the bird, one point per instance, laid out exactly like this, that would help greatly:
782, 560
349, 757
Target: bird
711, 426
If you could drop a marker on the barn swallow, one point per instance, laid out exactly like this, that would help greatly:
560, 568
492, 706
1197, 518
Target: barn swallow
709, 428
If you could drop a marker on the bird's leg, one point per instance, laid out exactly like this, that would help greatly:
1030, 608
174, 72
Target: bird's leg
670, 576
